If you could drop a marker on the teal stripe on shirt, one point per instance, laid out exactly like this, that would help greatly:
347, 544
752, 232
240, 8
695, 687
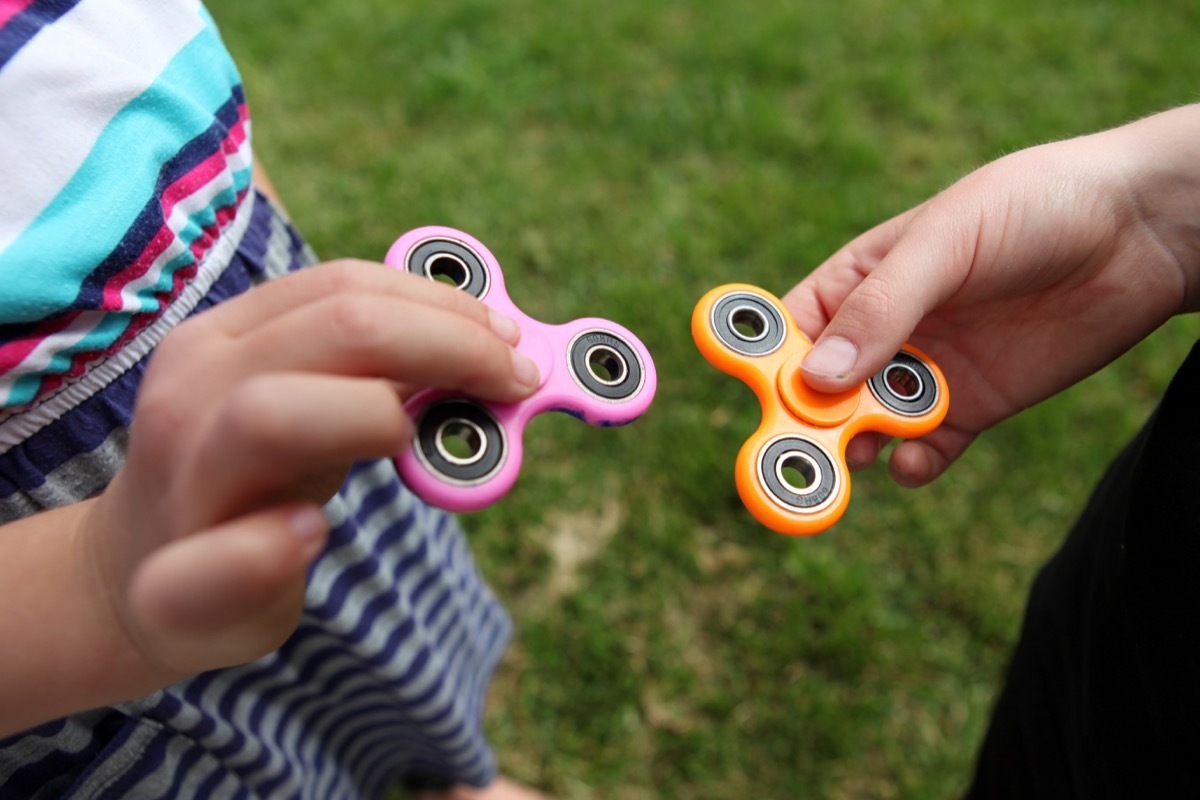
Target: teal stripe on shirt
44, 268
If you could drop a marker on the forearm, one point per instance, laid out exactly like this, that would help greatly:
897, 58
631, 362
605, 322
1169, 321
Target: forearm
264, 183
65, 650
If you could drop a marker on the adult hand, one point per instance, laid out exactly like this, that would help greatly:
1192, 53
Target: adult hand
1019, 280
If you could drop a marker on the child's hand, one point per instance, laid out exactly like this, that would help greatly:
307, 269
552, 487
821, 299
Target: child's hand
246, 421
1019, 280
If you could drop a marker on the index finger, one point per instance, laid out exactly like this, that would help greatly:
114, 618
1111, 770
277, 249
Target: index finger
313, 284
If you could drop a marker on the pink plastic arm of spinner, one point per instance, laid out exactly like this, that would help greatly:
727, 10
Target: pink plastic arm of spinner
466, 453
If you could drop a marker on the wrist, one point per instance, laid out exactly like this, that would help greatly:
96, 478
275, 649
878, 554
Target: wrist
1165, 156
73, 653
107, 555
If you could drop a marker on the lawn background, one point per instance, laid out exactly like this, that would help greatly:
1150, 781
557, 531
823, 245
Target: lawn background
622, 157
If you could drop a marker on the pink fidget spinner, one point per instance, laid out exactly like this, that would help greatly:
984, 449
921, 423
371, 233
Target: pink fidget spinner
466, 453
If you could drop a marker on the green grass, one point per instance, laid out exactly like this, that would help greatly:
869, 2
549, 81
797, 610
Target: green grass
621, 158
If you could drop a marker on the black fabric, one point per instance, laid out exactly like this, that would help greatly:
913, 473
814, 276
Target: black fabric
1102, 699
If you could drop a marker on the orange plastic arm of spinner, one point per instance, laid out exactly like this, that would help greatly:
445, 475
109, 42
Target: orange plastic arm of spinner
791, 473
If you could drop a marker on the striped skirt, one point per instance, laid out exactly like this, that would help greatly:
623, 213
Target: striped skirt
382, 682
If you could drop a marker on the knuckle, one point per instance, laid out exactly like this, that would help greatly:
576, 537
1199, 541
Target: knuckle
159, 411
181, 345
339, 276
354, 320
252, 415
487, 361
873, 301
467, 306
159, 428
167, 399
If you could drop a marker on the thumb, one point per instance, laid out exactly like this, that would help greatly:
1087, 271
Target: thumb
229, 594
925, 266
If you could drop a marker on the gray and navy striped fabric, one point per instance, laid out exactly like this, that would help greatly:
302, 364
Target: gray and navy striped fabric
383, 680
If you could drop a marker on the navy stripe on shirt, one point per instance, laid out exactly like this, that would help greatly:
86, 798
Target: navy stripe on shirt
26, 24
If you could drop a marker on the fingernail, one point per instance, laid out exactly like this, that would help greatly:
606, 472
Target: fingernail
831, 358
525, 370
504, 327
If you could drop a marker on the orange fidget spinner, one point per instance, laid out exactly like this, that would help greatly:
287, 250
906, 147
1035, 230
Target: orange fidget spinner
791, 473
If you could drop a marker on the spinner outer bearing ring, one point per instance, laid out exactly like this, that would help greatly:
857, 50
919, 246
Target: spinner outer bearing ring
423, 252
579, 350
920, 402
725, 308
434, 419
810, 501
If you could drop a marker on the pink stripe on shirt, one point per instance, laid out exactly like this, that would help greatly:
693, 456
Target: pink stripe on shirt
10, 8
212, 167
14, 352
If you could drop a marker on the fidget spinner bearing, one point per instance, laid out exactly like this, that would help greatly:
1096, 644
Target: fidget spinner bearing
466, 452
791, 473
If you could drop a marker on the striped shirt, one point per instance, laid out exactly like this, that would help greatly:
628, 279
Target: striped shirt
106, 213
146, 217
